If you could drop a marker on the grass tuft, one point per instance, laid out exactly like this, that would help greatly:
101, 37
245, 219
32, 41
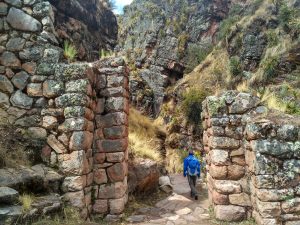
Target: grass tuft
70, 51
26, 201
144, 136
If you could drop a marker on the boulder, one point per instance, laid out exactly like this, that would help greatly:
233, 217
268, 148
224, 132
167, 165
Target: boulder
22, 21
22, 179
143, 176
21, 100
230, 213
8, 195
10, 214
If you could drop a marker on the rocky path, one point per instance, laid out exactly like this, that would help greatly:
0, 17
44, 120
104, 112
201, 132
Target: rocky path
177, 209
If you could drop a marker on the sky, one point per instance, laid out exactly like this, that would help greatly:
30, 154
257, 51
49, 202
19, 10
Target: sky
120, 4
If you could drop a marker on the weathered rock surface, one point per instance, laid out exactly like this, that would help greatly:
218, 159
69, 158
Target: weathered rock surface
143, 176
90, 25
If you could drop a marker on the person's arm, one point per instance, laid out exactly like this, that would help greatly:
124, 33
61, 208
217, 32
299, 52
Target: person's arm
185, 165
199, 169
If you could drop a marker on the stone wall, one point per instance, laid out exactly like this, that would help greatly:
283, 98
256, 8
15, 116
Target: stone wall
77, 112
252, 160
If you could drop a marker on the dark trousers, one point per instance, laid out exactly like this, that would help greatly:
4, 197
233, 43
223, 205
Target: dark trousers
192, 182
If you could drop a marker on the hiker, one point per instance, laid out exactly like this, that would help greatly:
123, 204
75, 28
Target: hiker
191, 169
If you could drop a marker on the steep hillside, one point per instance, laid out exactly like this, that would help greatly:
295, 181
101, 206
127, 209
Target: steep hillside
257, 52
164, 39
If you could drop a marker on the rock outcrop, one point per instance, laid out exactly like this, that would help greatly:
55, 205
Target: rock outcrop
163, 39
90, 25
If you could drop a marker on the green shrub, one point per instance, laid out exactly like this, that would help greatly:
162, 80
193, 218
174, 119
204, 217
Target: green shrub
192, 105
182, 41
196, 54
235, 66
273, 39
269, 67
70, 51
286, 14
104, 53
225, 26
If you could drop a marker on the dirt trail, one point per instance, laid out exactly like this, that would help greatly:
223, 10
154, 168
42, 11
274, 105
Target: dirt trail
179, 208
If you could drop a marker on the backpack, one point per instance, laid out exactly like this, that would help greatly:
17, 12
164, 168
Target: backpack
192, 166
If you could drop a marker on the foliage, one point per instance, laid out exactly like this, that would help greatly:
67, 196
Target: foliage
286, 14
26, 201
269, 66
273, 38
104, 53
235, 66
196, 54
70, 51
226, 25
192, 105
182, 41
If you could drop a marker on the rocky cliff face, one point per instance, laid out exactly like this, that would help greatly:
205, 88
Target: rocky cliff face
90, 25
163, 39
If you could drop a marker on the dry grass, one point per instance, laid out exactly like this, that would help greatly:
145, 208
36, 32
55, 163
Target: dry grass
26, 201
144, 136
213, 74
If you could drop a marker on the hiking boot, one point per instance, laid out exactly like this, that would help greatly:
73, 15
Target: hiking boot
196, 197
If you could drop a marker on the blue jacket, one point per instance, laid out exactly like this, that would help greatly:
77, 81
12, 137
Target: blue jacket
186, 163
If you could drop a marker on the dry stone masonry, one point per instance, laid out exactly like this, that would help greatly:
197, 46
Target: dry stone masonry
252, 160
77, 112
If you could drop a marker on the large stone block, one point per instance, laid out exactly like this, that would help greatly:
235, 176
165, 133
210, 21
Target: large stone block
117, 172
115, 92
225, 143
20, 80
116, 81
117, 206
288, 132
230, 213
268, 209
21, 100
81, 140
114, 190
15, 44
274, 148
78, 111
115, 157
100, 176
74, 163
76, 199
100, 206
56, 145
291, 206
112, 145
22, 21
72, 99
79, 86
112, 119
5, 85
241, 199
76, 124
227, 186
219, 199
35, 90
264, 181
52, 88
219, 157
235, 172
116, 132
117, 104
218, 172
9, 59
274, 195
76, 183
243, 102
